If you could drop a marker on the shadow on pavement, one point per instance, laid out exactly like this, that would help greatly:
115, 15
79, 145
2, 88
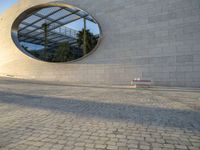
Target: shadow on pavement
163, 117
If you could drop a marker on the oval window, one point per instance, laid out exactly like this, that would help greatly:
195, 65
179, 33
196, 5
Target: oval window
56, 32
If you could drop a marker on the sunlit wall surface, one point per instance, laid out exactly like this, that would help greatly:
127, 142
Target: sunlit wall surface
154, 40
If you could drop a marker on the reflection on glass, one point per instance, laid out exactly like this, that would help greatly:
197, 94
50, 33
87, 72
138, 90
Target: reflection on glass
58, 34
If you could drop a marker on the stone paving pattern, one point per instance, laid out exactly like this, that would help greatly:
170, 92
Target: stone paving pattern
51, 117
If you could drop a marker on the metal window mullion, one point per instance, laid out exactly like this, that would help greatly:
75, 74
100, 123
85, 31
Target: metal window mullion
53, 22
68, 9
50, 19
40, 19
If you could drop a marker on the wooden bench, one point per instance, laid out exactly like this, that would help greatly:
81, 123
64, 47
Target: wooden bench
138, 83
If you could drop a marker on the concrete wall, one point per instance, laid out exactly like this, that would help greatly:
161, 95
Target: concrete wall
149, 39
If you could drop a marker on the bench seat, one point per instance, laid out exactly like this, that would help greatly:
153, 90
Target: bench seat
141, 83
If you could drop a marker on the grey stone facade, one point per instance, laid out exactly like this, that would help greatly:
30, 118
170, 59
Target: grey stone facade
148, 39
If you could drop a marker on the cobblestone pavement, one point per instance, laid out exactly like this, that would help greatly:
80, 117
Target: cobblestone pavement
51, 117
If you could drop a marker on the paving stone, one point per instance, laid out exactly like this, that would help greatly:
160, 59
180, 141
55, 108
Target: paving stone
100, 146
57, 147
111, 147
85, 118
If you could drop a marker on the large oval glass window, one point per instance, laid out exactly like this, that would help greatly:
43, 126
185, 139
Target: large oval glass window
56, 32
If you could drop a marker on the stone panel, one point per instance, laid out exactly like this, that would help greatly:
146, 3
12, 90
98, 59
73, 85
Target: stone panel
154, 39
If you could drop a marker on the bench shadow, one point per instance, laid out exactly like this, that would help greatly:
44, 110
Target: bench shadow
184, 119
